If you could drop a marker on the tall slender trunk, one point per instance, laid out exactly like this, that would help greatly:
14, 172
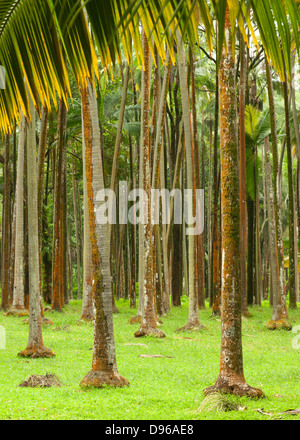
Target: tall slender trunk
258, 268
276, 182
6, 227
149, 319
231, 377
88, 312
104, 367
193, 318
40, 177
297, 136
199, 238
293, 255
278, 318
35, 347
18, 290
243, 191
76, 216
215, 290
58, 248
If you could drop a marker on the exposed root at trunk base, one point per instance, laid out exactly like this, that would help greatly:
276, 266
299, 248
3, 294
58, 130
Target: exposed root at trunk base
47, 381
191, 327
87, 318
135, 319
156, 332
98, 379
17, 312
247, 314
45, 321
37, 352
115, 309
279, 324
239, 388
216, 312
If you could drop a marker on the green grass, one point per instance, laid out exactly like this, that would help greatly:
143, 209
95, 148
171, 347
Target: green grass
160, 388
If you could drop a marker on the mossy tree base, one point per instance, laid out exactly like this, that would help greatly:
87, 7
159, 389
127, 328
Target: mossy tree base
135, 319
99, 379
216, 312
237, 388
279, 324
37, 352
115, 309
17, 312
45, 321
156, 332
192, 327
87, 318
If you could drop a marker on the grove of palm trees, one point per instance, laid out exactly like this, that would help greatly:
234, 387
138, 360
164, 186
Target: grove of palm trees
150, 187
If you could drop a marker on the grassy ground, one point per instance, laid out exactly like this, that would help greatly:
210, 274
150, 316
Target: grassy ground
160, 388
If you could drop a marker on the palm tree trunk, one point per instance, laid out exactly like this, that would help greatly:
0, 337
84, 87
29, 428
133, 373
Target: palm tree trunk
58, 248
88, 312
149, 319
104, 367
215, 290
231, 377
199, 238
35, 347
243, 191
193, 319
293, 255
276, 179
18, 290
6, 228
279, 317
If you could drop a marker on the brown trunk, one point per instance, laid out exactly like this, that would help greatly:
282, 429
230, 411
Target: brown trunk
148, 320
58, 249
6, 228
243, 79
104, 368
231, 377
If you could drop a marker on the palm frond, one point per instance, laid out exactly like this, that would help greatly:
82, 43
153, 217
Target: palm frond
30, 52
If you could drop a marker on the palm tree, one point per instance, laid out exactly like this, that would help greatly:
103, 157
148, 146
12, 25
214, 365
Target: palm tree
193, 319
6, 228
243, 206
231, 377
104, 368
58, 249
148, 319
34, 43
18, 290
35, 346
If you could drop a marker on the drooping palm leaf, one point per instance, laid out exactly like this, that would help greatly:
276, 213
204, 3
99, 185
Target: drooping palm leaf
30, 51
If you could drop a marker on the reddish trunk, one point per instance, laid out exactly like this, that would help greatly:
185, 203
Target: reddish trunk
231, 377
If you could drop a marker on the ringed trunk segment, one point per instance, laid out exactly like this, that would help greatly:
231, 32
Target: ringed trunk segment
18, 288
35, 346
148, 319
104, 366
279, 310
58, 265
193, 319
243, 189
231, 378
